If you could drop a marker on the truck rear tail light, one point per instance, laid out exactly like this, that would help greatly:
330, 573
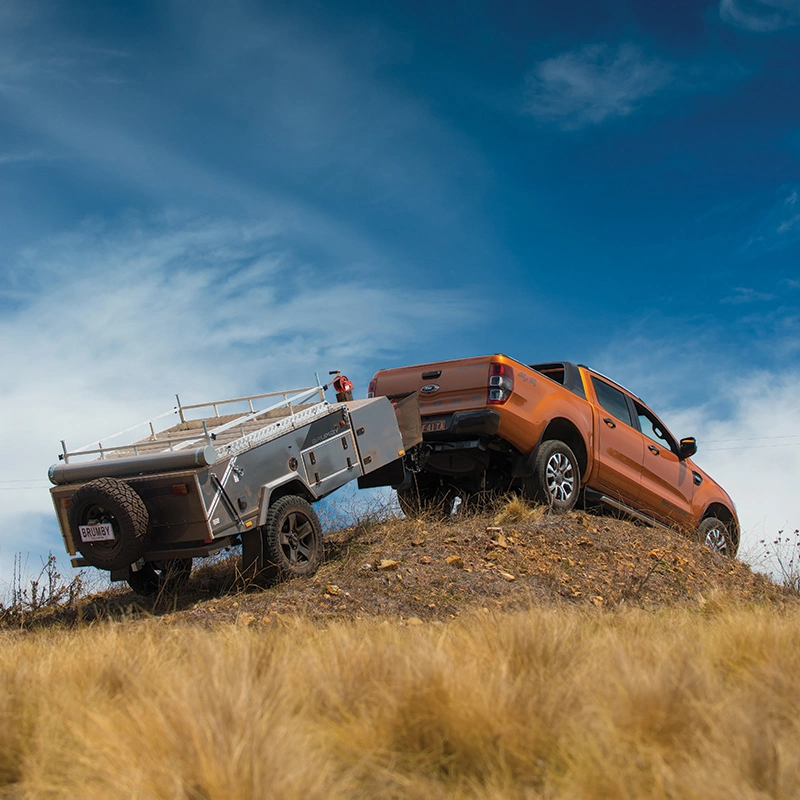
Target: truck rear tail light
501, 384
371, 388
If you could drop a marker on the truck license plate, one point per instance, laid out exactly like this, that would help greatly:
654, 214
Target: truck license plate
102, 532
433, 426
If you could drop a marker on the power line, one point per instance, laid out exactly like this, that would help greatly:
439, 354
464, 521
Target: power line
755, 438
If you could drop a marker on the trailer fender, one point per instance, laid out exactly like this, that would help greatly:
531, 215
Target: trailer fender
271, 492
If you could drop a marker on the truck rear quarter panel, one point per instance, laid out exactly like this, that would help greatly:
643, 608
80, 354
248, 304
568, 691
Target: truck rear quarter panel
462, 385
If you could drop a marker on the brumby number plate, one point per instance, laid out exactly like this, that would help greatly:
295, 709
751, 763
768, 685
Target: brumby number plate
96, 533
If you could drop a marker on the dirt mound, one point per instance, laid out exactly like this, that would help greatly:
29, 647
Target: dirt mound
426, 570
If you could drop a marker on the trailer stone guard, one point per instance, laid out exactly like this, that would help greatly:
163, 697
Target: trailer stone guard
142, 503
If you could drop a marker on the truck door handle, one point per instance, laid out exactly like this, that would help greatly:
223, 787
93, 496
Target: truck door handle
653, 449
610, 422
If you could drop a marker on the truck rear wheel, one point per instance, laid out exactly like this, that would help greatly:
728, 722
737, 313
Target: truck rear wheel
421, 499
557, 476
107, 501
292, 539
160, 576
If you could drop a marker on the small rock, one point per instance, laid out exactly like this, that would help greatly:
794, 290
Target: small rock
245, 619
507, 575
598, 600
332, 588
388, 563
425, 560
455, 561
366, 566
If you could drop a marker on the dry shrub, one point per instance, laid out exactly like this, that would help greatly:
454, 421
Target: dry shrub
515, 510
553, 703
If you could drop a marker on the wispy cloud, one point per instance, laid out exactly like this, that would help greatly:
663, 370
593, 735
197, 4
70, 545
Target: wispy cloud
760, 16
779, 225
23, 157
745, 295
747, 422
103, 326
594, 84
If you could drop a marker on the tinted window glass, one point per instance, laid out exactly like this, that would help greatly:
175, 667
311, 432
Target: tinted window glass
651, 427
612, 400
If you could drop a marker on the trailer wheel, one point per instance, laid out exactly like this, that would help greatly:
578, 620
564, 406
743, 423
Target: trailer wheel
292, 539
156, 577
113, 502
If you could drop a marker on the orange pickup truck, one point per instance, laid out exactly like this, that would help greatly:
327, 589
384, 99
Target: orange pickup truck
552, 432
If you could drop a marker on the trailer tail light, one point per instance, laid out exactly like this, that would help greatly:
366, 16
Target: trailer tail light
501, 384
179, 489
373, 384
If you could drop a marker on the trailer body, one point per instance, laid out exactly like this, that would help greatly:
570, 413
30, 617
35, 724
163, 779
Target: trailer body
208, 482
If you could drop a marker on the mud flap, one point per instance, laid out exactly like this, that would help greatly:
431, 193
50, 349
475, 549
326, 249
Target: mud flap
391, 474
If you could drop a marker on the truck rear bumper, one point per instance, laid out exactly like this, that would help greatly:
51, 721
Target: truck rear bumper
482, 422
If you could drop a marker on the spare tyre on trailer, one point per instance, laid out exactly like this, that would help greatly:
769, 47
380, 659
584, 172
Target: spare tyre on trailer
109, 523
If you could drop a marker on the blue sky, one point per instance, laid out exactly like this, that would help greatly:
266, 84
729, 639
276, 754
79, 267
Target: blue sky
215, 199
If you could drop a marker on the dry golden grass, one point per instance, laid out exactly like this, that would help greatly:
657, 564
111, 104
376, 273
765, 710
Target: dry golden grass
555, 703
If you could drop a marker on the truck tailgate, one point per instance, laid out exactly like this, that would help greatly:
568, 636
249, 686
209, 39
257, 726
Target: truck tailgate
443, 387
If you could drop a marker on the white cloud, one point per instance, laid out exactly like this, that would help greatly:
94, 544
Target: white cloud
754, 453
594, 84
760, 16
746, 420
779, 225
100, 329
746, 295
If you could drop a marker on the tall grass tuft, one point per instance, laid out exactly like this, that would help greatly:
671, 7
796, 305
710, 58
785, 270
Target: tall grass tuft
553, 703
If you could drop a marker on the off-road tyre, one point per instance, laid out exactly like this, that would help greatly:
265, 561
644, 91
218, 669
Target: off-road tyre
423, 499
160, 577
714, 533
115, 502
556, 476
292, 539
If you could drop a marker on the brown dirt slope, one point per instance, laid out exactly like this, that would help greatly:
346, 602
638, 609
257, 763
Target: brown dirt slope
426, 570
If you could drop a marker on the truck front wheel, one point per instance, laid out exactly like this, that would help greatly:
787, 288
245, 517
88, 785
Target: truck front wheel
557, 476
714, 533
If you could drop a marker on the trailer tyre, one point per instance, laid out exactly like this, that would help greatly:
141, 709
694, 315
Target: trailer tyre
292, 539
107, 500
159, 577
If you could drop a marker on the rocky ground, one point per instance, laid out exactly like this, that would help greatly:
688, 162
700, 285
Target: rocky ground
413, 571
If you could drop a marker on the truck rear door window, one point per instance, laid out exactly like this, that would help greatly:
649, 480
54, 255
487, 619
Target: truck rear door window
612, 400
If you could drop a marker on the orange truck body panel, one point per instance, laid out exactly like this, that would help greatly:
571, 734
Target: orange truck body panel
473, 436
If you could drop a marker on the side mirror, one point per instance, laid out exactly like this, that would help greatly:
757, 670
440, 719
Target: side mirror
688, 447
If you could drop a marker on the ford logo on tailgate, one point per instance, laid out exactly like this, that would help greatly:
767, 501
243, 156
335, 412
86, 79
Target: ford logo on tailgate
430, 388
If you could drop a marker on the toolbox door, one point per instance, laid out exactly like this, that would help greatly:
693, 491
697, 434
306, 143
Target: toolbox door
377, 433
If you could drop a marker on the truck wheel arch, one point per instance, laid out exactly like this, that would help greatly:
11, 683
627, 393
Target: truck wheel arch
567, 432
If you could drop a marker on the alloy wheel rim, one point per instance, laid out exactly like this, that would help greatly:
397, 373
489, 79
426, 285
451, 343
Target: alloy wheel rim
297, 539
560, 477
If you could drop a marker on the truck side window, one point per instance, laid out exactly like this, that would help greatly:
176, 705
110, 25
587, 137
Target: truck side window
652, 427
612, 400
